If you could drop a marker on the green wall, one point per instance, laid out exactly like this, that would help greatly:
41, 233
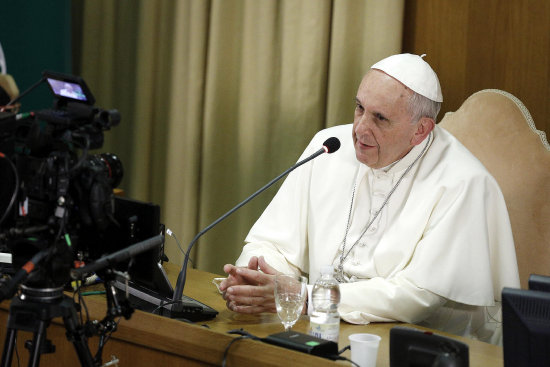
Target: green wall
35, 36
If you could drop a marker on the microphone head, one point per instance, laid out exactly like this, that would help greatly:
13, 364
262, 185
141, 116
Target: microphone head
331, 145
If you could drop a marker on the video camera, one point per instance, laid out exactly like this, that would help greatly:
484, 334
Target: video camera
59, 220
53, 193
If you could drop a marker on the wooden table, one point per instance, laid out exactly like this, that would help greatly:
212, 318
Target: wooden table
151, 340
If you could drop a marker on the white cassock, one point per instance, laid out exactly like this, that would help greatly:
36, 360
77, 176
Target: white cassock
438, 254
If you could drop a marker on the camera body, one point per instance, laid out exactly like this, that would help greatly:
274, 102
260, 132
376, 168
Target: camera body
53, 193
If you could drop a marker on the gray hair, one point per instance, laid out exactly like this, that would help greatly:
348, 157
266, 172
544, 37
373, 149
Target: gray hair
420, 106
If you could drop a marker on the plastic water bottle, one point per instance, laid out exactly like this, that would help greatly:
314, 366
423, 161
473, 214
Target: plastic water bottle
325, 320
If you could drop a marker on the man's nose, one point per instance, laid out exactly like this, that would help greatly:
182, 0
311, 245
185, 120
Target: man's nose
363, 125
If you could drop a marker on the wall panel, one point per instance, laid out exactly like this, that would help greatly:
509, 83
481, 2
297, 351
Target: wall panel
479, 44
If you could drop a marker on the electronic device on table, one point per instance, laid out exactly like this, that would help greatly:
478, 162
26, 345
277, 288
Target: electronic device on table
410, 347
149, 287
526, 324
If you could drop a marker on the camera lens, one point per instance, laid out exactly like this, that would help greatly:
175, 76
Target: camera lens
107, 118
114, 168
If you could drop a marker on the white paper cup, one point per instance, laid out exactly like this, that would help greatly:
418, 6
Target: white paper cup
364, 349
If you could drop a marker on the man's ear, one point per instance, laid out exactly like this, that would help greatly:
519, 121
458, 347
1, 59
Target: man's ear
423, 127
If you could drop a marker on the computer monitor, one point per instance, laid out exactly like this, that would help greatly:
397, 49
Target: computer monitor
149, 288
539, 282
138, 221
526, 327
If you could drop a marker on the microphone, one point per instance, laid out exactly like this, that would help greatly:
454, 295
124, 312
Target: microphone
330, 145
115, 257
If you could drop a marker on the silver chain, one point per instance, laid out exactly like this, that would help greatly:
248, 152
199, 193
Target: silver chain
340, 272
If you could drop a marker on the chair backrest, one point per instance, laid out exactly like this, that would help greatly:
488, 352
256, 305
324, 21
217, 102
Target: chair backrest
498, 129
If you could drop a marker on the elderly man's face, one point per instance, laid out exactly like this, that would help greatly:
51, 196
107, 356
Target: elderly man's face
382, 128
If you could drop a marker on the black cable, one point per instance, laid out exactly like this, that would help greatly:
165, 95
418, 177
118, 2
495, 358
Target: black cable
14, 195
344, 349
172, 234
16, 352
226, 352
82, 303
114, 329
342, 358
243, 332
242, 335
75, 293
104, 338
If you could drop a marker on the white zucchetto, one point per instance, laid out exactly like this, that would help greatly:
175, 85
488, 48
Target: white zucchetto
413, 72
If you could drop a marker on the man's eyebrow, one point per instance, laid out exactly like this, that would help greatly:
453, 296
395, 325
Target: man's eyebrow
381, 114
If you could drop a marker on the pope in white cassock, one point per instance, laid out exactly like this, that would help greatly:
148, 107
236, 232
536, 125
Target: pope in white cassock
415, 226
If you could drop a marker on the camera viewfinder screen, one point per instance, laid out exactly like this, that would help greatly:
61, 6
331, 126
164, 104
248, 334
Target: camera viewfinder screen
67, 89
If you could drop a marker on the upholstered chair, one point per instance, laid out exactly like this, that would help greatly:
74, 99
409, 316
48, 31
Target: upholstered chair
498, 129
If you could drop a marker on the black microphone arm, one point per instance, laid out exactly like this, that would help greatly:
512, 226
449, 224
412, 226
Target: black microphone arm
329, 146
116, 257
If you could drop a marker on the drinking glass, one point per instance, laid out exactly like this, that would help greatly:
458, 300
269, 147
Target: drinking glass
290, 294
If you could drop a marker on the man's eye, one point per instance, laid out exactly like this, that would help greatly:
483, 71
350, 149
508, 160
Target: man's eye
358, 108
380, 117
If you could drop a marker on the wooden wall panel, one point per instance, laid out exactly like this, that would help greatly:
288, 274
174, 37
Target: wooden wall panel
480, 44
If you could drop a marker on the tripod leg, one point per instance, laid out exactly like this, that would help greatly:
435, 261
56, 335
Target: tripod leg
38, 339
9, 345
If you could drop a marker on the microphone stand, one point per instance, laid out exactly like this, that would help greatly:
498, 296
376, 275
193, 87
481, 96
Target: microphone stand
180, 284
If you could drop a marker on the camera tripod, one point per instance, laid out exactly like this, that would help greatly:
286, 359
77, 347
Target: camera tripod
34, 308
33, 311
